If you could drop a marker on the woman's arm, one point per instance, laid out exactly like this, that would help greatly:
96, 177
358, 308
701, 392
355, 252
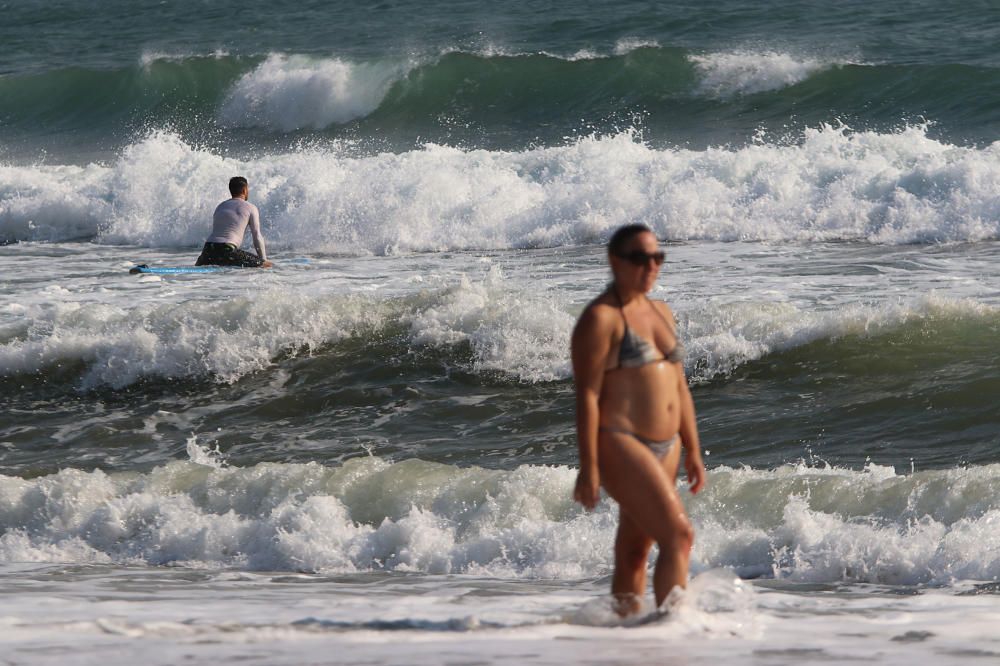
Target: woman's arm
693, 465
590, 344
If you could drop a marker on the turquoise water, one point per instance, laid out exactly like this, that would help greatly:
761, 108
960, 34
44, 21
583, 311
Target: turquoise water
86, 79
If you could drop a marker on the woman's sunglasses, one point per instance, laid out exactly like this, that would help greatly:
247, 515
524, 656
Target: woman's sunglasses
640, 258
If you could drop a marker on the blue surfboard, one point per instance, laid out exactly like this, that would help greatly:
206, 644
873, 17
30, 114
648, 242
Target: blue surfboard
175, 270
180, 270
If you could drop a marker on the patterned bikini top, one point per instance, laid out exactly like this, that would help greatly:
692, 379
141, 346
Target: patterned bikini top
636, 351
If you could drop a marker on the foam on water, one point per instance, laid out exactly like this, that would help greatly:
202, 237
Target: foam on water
874, 526
622, 47
626, 45
151, 57
822, 525
291, 92
745, 72
511, 331
119, 345
367, 515
721, 338
53, 203
497, 324
834, 184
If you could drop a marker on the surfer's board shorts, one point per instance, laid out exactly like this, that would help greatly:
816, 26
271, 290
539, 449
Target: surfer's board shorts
227, 254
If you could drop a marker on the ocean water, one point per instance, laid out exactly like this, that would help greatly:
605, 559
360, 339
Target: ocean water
366, 454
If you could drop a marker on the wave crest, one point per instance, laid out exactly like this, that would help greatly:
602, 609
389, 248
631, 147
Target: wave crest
821, 525
746, 73
833, 185
288, 93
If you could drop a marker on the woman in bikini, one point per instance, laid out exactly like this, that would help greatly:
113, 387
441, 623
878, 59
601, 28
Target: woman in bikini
634, 413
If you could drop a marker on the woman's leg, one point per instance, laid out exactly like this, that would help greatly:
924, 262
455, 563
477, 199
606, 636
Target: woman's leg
645, 489
631, 552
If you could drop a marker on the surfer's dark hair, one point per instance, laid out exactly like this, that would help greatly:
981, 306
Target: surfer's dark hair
236, 185
616, 245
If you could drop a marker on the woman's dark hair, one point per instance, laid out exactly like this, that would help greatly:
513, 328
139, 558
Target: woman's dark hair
621, 237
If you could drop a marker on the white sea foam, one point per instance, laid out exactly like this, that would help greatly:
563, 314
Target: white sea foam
626, 45
526, 334
822, 525
622, 47
509, 330
581, 54
501, 325
835, 184
171, 617
203, 455
719, 338
52, 203
119, 344
290, 92
805, 524
306, 517
746, 72
148, 58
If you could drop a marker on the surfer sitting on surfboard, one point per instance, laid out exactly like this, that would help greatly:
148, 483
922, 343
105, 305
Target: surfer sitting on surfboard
229, 224
634, 415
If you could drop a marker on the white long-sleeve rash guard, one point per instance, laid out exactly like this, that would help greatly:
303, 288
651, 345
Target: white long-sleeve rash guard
230, 221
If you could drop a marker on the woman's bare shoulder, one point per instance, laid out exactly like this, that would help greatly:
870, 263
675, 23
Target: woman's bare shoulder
598, 315
600, 309
664, 309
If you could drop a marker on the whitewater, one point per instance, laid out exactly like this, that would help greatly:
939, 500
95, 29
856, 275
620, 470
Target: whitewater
832, 184
366, 454
369, 450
